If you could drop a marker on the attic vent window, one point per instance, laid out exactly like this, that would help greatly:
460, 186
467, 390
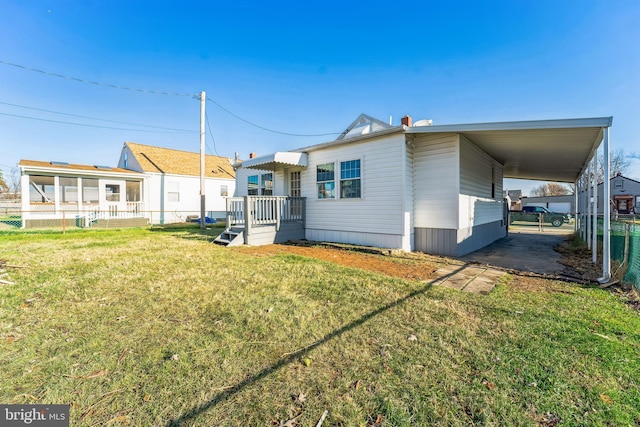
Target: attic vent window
104, 168
59, 163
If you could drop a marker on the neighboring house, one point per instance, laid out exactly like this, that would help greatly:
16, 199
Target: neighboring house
80, 195
515, 199
625, 196
565, 204
172, 185
150, 185
378, 185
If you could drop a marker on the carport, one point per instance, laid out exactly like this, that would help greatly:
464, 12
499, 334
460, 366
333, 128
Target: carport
549, 150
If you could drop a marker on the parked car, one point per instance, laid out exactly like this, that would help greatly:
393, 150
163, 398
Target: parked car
533, 214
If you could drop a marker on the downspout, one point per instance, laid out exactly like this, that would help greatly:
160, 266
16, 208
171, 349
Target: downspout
606, 226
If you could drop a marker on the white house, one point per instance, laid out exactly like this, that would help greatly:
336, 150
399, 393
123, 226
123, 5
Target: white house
436, 189
150, 185
172, 181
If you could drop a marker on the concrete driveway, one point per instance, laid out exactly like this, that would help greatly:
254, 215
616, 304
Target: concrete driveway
525, 249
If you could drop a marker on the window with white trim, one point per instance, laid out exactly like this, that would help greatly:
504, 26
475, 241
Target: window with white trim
173, 191
266, 187
224, 191
325, 179
350, 180
252, 185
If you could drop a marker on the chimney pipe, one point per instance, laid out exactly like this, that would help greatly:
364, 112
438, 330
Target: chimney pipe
407, 120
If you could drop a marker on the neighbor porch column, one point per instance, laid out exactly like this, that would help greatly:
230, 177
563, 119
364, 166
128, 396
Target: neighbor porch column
25, 197
606, 225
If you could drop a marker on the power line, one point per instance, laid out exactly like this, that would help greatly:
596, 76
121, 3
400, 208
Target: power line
79, 124
95, 118
267, 129
76, 79
212, 138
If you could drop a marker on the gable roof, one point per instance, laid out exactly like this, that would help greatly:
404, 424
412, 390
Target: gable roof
363, 125
178, 162
37, 165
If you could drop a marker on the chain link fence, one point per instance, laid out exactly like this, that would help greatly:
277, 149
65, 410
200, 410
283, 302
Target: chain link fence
625, 245
12, 220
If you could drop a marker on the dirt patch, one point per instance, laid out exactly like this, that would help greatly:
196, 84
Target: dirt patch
406, 265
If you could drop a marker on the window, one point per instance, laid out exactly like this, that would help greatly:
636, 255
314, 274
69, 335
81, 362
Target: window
90, 191
252, 185
42, 189
173, 191
266, 187
112, 192
294, 182
69, 190
325, 181
133, 191
224, 191
350, 180
637, 201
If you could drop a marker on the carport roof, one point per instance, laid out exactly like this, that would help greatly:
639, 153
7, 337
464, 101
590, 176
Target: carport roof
549, 150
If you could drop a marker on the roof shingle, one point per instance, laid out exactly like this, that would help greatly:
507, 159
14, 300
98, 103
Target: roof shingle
178, 162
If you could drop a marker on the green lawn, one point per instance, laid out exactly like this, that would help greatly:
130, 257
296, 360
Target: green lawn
159, 327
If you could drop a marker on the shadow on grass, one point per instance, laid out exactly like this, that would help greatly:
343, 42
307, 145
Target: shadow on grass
191, 231
296, 355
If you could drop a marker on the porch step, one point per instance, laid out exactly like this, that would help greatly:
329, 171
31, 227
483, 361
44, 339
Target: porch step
230, 237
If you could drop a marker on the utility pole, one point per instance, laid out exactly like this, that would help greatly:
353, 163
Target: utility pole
203, 96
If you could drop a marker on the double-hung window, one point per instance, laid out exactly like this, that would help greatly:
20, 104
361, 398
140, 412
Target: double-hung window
325, 179
350, 187
266, 187
252, 185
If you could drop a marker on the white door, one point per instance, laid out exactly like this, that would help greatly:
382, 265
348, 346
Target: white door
114, 196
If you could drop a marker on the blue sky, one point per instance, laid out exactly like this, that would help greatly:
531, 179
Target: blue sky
303, 69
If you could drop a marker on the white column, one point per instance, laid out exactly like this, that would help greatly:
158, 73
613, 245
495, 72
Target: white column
79, 184
594, 233
56, 193
25, 198
589, 203
606, 224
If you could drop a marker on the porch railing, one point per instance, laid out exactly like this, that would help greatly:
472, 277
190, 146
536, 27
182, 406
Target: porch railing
252, 211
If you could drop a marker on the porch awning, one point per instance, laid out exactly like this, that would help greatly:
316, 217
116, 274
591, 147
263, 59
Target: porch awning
279, 158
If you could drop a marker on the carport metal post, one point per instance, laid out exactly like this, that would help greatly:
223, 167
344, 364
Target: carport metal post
606, 225
576, 208
589, 204
594, 233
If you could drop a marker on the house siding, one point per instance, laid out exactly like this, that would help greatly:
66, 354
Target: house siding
455, 212
163, 210
477, 172
378, 217
435, 181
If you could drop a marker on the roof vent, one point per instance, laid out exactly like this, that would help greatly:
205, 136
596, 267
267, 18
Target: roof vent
423, 122
59, 163
104, 168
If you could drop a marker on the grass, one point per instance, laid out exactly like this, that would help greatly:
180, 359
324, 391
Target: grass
159, 327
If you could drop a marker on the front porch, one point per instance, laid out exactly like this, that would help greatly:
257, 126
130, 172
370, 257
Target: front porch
262, 220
